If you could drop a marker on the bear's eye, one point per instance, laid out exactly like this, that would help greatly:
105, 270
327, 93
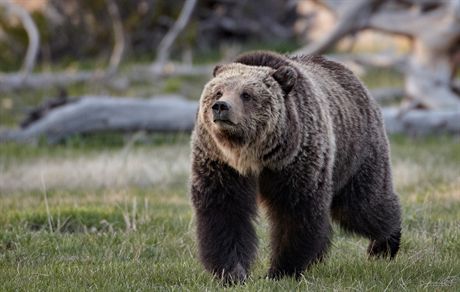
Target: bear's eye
219, 94
245, 96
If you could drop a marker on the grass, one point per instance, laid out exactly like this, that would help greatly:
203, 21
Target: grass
83, 216
376, 78
111, 212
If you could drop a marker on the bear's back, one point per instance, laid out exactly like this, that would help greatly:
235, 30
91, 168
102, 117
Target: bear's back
357, 121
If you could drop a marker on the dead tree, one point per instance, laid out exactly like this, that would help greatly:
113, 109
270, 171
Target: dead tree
168, 40
32, 33
15, 81
433, 26
25, 78
118, 36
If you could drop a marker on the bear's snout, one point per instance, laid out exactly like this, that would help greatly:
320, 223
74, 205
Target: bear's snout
221, 111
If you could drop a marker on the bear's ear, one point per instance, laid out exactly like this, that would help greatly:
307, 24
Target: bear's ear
217, 70
286, 76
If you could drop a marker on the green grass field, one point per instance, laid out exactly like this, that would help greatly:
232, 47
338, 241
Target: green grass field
76, 217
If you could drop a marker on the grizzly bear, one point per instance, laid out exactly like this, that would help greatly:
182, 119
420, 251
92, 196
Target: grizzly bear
301, 136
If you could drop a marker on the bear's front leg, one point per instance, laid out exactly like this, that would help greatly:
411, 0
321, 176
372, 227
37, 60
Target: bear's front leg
225, 207
300, 225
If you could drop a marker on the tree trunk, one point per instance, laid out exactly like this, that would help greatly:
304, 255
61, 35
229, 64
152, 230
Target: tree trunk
429, 76
166, 43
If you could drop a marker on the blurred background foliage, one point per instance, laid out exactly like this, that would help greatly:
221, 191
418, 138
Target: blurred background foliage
77, 30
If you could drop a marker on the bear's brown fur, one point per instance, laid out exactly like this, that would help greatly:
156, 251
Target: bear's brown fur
303, 136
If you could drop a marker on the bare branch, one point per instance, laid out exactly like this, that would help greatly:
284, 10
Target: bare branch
32, 33
119, 38
167, 42
355, 16
406, 22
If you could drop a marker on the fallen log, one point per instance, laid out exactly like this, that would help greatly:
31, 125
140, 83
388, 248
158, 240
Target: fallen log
40, 111
421, 122
92, 114
15, 81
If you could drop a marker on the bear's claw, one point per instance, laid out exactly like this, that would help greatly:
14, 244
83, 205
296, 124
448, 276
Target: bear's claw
236, 275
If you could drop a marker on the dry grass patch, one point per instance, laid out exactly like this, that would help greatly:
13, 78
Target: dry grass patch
141, 167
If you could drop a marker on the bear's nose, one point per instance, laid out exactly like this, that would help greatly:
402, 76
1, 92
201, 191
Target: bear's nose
220, 106
220, 111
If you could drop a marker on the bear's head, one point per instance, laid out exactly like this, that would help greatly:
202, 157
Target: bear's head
242, 104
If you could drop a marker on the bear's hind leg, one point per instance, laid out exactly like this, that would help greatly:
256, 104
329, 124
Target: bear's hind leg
368, 206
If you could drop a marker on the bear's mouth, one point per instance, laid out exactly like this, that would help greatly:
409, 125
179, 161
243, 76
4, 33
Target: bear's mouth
223, 122
229, 135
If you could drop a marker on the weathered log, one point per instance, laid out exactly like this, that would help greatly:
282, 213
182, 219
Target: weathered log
40, 111
435, 34
433, 27
141, 73
92, 114
354, 17
15, 81
421, 122
149, 73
